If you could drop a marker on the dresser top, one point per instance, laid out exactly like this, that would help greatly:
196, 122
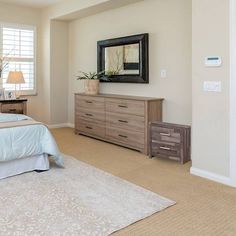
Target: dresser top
121, 96
13, 101
169, 125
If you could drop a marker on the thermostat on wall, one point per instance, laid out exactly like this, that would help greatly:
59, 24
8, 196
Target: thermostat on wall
215, 61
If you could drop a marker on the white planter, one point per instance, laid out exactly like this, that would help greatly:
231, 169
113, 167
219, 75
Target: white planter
91, 86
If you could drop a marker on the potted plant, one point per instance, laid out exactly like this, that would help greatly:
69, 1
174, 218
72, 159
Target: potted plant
91, 81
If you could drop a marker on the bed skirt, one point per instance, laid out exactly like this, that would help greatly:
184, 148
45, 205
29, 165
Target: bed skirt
23, 165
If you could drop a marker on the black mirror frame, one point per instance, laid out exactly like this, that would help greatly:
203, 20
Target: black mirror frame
143, 41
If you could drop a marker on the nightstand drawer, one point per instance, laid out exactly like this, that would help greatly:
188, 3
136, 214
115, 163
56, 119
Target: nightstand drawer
166, 134
16, 108
171, 150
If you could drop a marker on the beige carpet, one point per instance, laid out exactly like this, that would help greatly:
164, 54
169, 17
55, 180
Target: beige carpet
204, 208
76, 200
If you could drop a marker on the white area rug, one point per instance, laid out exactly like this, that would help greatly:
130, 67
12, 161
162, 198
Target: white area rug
78, 200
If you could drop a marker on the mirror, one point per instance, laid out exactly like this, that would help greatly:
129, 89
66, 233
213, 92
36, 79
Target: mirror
124, 59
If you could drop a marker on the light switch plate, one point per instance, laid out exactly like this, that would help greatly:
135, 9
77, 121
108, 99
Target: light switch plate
213, 61
212, 86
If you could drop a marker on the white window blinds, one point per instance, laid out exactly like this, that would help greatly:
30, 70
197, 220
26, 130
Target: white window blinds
18, 50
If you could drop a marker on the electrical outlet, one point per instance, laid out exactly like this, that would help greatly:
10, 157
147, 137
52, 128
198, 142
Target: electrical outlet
163, 73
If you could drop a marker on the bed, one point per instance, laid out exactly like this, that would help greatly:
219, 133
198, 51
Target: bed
25, 145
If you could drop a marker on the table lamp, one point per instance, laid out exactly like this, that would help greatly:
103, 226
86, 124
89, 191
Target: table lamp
16, 77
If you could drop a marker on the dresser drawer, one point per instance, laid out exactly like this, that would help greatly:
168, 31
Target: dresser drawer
90, 115
91, 128
125, 106
130, 138
166, 149
166, 134
17, 108
89, 102
125, 121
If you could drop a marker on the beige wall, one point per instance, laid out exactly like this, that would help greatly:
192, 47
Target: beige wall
55, 69
65, 48
73, 9
45, 79
29, 16
50, 103
169, 25
55, 52
210, 138
58, 72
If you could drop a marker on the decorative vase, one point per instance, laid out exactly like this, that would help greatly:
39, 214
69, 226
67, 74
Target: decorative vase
91, 86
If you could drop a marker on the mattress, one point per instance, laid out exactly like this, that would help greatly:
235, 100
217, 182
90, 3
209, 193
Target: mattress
21, 136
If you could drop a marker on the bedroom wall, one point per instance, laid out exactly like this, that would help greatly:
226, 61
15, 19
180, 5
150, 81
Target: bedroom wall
22, 15
73, 9
169, 25
55, 51
58, 72
210, 130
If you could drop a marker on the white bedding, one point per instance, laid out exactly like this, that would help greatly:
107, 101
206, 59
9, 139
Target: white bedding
26, 141
19, 166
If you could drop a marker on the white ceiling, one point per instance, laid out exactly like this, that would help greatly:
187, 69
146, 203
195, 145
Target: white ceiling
32, 3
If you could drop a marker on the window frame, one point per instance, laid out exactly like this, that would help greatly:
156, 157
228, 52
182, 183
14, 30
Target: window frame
32, 92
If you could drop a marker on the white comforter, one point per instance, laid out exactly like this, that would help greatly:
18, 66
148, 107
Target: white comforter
26, 141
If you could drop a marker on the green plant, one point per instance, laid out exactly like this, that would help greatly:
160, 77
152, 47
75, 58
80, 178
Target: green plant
90, 75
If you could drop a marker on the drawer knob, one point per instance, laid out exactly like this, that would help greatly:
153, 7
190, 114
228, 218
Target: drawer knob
122, 106
87, 114
88, 127
89, 102
165, 148
122, 136
165, 134
123, 121
12, 109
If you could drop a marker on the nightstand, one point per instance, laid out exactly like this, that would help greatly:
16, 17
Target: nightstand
16, 106
171, 141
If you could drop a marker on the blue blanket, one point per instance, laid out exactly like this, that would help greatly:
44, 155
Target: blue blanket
25, 141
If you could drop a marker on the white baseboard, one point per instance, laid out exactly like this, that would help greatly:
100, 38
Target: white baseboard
70, 125
211, 176
63, 125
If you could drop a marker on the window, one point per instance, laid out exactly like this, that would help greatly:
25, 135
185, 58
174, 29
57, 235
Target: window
17, 44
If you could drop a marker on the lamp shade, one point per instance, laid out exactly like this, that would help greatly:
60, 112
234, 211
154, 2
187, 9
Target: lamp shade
15, 77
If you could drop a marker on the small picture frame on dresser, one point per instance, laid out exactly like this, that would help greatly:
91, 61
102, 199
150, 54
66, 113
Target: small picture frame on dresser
10, 95
2, 94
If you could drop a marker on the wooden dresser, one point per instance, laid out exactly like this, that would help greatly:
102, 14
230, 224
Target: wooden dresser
16, 106
123, 120
170, 141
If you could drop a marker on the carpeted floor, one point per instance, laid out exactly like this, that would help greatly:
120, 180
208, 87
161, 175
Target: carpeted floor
203, 207
77, 200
